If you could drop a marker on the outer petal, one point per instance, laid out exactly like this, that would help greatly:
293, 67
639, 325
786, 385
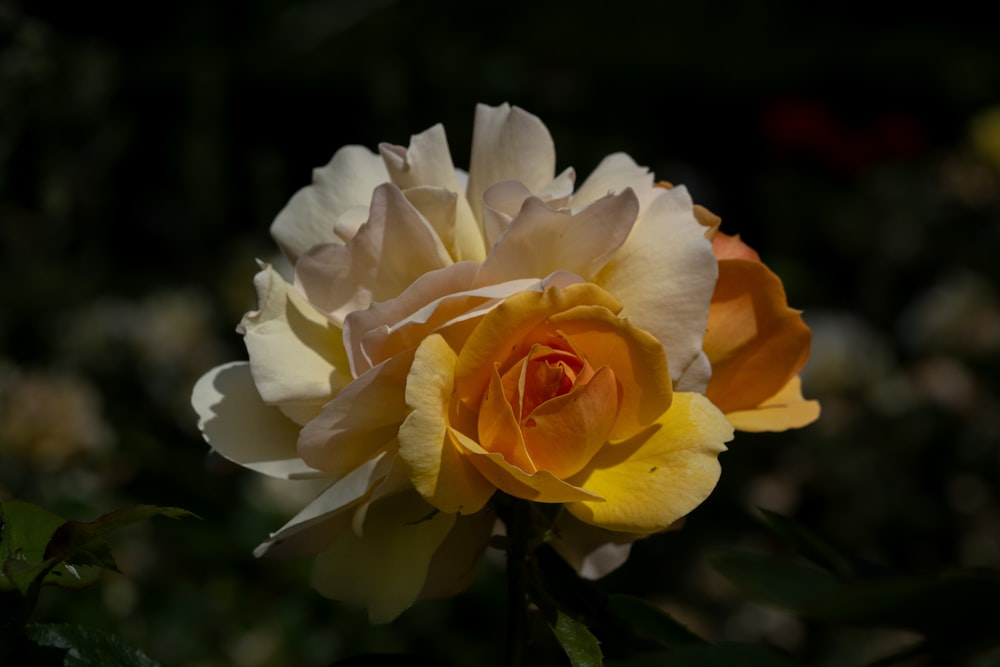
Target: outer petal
508, 144
541, 240
593, 552
456, 561
615, 173
329, 514
664, 275
360, 422
386, 568
786, 409
755, 341
309, 217
235, 421
426, 162
650, 481
296, 354
439, 470
395, 247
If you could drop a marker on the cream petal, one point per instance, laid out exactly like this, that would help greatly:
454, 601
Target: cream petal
615, 173
394, 248
235, 421
593, 552
328, 515
696, 376
296, 354
309, 217
427, 161
361, 422
541, 240
450, 216
385, 569
664, 275
508, 143
501, 202
456, 561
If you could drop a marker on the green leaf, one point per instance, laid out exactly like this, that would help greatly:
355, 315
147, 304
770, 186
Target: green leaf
580, 645
650, 621
75, 539
88, 648
712, 655
27, 529
777, 582
808, 544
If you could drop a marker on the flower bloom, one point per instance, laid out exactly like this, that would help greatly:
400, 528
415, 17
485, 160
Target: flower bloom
448, 336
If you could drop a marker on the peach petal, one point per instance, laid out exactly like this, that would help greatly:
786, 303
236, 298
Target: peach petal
637, 358
541, 486
755, 341
564, 433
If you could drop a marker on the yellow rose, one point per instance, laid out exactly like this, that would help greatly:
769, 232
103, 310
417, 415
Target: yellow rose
447, 335
554, 398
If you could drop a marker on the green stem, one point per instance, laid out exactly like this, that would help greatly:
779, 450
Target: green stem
517, 517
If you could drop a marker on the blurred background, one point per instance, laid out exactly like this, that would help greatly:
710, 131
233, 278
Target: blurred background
145, 150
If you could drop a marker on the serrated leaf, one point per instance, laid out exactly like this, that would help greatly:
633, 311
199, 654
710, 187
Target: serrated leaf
777, 582
650, 621
809, 544
580, 645
27, 529
85, 538
88, 648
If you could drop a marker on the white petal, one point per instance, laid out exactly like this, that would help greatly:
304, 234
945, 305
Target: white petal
235, 421
541, 240
329, 514
361, 422
615, 173
664, 275
309, 217
296, 354
395, 247
593, 552
427, 161
451, 218
508, 144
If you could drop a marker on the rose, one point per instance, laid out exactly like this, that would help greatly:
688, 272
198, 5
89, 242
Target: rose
554, 398
401, 273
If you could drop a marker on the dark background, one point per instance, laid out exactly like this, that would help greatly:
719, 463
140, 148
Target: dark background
144, 150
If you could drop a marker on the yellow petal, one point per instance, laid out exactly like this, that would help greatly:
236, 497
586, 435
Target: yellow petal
438, 469
386, 568
786, 409
456, 561
653, 479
